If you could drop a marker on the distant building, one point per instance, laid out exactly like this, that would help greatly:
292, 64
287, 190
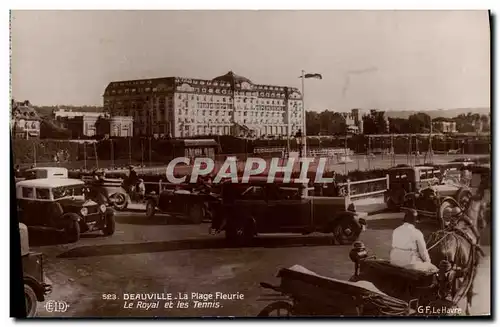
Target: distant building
443, 125
25, 121
92, 125
226, 105
89, 124
68, 113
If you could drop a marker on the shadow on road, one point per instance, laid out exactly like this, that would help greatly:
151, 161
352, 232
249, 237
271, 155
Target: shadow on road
156, 220
49, 237
193, 244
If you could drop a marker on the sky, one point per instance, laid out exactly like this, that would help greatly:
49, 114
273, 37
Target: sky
388, 60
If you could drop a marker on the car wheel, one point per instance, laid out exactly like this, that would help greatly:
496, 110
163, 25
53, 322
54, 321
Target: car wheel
150, 208
196, 213
346, 231
391, 205
72, 231
30, 300
109, 224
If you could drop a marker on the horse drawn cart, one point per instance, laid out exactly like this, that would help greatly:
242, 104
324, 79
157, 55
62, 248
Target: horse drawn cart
304, 293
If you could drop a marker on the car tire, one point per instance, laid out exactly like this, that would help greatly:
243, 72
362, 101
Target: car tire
196, 213
109, 224
392, 206
150, 208
120, 201
346, 231
30, 301
72, 231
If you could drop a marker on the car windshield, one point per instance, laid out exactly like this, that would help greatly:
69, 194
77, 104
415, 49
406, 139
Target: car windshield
65, 191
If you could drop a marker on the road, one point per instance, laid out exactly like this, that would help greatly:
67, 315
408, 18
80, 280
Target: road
165, 255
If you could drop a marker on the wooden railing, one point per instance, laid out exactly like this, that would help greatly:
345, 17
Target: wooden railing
383, 185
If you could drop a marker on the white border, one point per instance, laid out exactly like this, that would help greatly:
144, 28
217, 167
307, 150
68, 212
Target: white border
190, 4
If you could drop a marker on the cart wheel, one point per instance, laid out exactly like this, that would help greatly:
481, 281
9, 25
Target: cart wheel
150, 208
277, 309
30, 301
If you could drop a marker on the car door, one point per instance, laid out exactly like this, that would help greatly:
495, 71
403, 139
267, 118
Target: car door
286, 208
252, 203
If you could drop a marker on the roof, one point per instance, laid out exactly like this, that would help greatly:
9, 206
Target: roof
25, 112
50, 182
48, 168
232, 78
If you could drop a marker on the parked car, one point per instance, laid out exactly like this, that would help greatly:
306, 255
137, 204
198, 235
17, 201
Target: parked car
189, 201
258, 207
64, 205
420, 188
35, 287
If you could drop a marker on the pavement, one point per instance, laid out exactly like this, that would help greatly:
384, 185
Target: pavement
97, 276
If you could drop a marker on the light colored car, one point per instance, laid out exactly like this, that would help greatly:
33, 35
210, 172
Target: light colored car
62, 204
48, 172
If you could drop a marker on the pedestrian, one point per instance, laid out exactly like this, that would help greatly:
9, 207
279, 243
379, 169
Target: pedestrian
141, 190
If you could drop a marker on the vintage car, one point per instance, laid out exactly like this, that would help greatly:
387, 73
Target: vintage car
35, 287
182, 200
255, 207
421, 188
64, 205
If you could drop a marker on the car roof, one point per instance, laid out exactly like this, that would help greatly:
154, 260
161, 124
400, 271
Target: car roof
50, 182
47, 168
263, 180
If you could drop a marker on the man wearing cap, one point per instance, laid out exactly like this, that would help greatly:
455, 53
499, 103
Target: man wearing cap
408, 245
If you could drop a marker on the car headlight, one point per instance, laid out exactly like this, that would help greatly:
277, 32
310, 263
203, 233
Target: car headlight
84, 211
102, 207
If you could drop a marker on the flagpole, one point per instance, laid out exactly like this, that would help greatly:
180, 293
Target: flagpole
304, 145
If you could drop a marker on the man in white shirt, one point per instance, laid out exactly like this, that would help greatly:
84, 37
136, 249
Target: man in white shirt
408, 246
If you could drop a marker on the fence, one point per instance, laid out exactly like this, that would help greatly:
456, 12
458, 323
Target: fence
366, 188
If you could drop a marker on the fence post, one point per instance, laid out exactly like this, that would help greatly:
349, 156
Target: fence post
159, 185
349, 188
387, 181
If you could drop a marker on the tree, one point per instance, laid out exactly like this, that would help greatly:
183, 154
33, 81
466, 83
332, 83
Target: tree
375, 123
313, 123
398, 125
419, 123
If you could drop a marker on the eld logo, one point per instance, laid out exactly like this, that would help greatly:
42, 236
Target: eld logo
56, 306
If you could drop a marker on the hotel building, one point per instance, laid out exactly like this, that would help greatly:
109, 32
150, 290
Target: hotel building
226, 105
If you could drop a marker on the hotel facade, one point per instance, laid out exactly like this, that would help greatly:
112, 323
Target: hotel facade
226, 105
